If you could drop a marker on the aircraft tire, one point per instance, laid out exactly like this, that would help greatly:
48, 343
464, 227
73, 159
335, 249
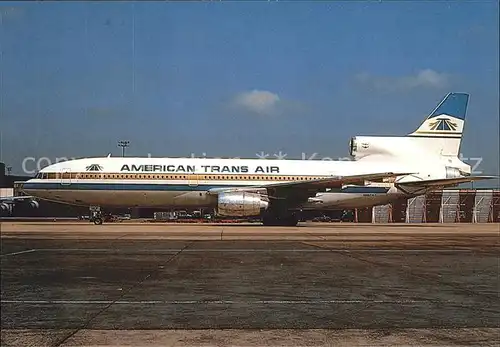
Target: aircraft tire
98, 221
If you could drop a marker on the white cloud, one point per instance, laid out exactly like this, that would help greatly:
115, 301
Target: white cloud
258, 101
427, 78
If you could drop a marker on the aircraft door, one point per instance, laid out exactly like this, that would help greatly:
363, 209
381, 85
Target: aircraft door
65, 176
193, 180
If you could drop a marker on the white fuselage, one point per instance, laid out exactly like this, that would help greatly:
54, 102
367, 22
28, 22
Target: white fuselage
187, 182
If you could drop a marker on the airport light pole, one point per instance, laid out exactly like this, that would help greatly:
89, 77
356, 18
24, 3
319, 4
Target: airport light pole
123, 144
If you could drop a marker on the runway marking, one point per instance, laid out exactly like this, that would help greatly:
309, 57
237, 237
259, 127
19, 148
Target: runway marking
21, 252
211, 302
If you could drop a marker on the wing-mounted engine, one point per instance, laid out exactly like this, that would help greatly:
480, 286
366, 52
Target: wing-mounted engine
241, 204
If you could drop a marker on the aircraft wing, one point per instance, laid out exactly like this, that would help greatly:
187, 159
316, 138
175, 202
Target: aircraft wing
311, 185
444, 181
334, 181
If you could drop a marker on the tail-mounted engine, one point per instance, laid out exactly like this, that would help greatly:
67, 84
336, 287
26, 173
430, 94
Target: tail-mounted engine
241, 204
362, 146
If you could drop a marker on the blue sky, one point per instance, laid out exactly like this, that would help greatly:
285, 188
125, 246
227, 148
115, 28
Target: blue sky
236, 79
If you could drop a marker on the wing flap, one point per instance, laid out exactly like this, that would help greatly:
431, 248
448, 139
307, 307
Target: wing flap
335, 181
444, 181
318, 184
258, 190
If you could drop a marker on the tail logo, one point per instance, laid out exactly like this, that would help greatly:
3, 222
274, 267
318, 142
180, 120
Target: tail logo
443, 124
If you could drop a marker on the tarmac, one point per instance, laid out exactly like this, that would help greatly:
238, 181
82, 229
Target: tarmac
318, 284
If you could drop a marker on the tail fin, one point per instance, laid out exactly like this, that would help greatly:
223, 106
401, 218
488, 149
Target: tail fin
443, 128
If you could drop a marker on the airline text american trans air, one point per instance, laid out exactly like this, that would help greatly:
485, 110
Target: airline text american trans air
202, 168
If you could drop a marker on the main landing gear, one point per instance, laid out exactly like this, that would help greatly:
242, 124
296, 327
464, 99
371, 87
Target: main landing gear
96, 215
280, 219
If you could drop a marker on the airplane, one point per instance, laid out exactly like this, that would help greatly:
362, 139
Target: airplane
384, 168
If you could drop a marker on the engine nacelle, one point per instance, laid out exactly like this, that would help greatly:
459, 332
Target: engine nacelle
34, 204
363, 146
453, 172
241, 204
